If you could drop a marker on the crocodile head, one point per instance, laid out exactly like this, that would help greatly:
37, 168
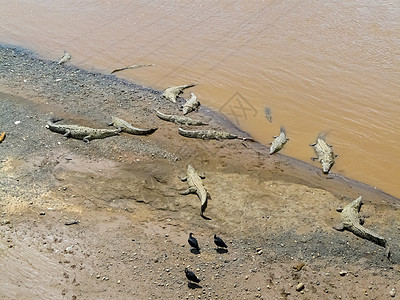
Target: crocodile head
326, 165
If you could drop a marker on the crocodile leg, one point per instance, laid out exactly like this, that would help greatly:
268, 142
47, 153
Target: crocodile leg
87, 138
202, 175
67, 133
339, 227
183, 178
191, 190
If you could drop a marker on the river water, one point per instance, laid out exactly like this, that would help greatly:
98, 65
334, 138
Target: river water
320, 66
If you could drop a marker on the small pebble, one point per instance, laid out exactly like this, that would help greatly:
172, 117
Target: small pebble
343, 273
300, 286
392, 293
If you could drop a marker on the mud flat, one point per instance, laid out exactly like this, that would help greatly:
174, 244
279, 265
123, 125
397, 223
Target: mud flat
130, 239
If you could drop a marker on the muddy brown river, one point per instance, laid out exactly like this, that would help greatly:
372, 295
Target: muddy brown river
331, 67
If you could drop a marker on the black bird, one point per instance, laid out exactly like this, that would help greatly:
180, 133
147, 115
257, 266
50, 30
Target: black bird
219, 242
193, 242
191, 276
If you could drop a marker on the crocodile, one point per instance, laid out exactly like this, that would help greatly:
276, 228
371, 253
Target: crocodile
132, 67
324, 153
196, 187
172, 92
81, 132
268, 115
351, 222
279, 141
210, 134
191, 105
124, 126
66, 57
179, 119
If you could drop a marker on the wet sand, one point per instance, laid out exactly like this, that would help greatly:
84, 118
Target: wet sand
131, 240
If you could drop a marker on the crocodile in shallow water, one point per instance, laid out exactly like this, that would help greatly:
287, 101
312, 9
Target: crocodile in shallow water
182, 120
174, 91
81, 132
195, 186
324, 153
191, 105
124, 126
132, 67
351, 222
210, 134
279, 141
268, 114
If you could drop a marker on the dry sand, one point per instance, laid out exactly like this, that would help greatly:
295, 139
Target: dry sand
275, 213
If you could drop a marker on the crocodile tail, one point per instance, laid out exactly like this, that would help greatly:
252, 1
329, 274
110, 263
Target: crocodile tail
322, 135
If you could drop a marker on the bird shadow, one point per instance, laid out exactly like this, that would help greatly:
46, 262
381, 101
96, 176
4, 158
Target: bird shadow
194, 251
193, 285
205, 218
221, 250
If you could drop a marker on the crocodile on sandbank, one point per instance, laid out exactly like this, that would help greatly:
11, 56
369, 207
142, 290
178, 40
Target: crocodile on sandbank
279, 141
191, 105
124, 126
210, 134
351, 222
173, 92
181, 120
195, 186
66, 57
324, 153
80, 132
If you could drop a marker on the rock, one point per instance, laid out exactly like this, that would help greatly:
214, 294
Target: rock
392, 293
343, 273
299, 266
300, 287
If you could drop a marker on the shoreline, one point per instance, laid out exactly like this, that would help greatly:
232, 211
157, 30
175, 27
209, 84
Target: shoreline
274, 211
221, 120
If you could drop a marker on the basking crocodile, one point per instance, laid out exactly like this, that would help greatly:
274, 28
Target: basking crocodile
66, 57
191, 105
279, 141
172, 92
324, 153
81, 132
351, 222
196, 187
132, 67
210, 134
124, 126
179, 119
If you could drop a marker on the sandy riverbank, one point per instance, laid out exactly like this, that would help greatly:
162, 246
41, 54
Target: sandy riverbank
131, 241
